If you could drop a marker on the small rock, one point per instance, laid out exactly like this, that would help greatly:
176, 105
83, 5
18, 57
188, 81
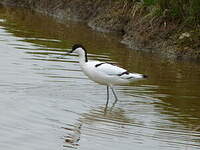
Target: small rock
184, 35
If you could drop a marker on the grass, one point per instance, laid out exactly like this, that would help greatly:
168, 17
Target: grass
187, 11
166, 19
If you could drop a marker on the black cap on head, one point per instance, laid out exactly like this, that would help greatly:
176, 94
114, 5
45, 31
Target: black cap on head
75, 46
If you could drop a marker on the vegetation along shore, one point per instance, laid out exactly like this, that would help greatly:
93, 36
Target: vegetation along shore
167, 27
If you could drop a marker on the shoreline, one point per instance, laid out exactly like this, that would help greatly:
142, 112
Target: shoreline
164, 38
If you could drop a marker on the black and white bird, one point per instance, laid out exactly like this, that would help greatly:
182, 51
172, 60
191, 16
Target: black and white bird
104, 73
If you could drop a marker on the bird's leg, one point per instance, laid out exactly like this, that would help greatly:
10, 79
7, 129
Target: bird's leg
107, 95
107, 98
116, 99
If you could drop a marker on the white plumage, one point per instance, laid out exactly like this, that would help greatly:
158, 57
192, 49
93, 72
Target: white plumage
108, 74
104, 73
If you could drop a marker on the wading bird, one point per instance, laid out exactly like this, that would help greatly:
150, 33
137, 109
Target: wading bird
104, 73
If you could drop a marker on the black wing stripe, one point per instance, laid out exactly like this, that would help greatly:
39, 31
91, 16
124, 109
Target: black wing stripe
126, 72
97, 65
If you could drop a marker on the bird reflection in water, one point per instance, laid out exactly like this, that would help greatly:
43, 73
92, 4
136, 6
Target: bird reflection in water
86, 123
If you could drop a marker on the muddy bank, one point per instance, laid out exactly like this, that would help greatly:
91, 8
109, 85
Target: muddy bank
131, 20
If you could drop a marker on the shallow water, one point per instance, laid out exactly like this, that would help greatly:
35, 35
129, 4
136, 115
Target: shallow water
47, 103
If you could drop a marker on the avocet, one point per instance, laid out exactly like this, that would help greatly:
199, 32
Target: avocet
104, 73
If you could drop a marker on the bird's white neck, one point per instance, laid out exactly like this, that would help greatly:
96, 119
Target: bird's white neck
82, 59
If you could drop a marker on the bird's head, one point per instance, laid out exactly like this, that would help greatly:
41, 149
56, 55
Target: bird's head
78, 49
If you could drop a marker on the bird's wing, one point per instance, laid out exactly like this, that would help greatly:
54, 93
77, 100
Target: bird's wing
109, 69
112, 70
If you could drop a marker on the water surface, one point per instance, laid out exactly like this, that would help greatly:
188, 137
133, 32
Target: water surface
47, 103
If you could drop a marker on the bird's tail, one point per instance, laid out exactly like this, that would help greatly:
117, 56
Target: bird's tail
136, 76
